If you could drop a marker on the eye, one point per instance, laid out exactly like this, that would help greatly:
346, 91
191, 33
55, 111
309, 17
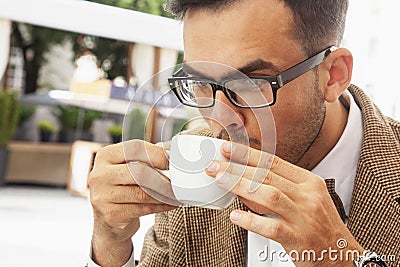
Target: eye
203, 84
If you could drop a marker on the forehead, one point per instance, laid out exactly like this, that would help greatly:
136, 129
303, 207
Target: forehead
247, 31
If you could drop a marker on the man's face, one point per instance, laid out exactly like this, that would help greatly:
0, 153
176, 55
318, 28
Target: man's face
254, 36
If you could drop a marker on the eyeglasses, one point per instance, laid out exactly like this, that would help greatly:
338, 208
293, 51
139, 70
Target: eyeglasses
243, 92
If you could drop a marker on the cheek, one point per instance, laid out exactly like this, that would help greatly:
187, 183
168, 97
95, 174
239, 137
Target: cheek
258, 121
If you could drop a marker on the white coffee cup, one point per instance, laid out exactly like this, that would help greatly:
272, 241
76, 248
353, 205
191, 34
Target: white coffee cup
189, 157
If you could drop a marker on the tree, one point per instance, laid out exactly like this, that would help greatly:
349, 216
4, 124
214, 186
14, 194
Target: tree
155, 7
112, 54
35, 41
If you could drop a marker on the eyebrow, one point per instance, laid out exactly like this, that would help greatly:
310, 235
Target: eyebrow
256, 65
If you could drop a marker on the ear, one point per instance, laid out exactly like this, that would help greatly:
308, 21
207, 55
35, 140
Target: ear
337, 69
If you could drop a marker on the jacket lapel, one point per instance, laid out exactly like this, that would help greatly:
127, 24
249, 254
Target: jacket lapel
212, 240
375, 211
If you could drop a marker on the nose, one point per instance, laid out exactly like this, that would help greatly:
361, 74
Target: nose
224, 115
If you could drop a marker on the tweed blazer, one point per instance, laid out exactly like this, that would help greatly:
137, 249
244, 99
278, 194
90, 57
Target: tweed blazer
191, 236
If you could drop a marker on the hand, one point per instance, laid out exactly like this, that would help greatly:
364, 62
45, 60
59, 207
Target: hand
123, 187
305, 215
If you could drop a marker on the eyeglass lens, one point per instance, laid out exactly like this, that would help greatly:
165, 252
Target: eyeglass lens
243, 92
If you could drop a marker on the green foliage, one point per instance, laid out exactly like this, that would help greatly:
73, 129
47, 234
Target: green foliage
35, 41
136, 125
8, 116
117, 3
155, 7
47, 126
115, 130
25, 113
112, 54
40, 39
179, 126
71, 117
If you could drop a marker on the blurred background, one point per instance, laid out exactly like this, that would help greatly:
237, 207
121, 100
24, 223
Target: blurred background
69, 69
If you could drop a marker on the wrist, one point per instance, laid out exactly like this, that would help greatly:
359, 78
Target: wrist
108, 253
344, 254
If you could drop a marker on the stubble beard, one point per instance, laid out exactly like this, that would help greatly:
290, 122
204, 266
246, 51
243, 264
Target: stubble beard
299, 139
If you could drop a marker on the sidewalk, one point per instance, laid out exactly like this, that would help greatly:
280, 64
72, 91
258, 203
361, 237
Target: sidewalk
47, 227
43, 227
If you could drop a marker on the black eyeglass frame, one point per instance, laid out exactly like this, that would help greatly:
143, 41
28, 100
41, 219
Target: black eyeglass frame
276, 82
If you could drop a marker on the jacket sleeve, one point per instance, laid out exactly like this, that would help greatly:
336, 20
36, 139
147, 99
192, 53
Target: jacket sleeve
155, 251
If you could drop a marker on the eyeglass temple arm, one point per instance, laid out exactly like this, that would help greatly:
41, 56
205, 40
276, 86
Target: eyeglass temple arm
304, 66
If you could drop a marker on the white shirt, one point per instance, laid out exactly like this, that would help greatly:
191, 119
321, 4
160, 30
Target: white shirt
340, 163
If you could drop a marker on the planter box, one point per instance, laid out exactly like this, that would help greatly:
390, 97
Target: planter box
3, 164
38, 163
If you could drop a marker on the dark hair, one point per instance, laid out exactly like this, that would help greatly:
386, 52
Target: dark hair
317, 23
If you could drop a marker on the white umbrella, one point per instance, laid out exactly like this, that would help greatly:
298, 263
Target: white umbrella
96, 19
5, 31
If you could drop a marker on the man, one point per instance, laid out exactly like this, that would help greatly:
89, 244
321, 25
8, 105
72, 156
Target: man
325, 128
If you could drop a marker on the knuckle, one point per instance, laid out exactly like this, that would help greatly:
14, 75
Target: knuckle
267, 177
241, 152
105, 153
276, 230
275, 162
142, 196
273, 197
320, 183
316, 202
136, 145
122, 171
100, 154
256, 224
259, 209
97, 201
94, 179
114, 151
266, 160
110, 217
136, 171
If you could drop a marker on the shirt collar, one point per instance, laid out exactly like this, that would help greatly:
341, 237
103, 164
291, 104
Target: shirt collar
341, 162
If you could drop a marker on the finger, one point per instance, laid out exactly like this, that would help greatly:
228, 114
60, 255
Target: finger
131, 194
136, 195
134, 173
160, 197
268, 227
256, 208
246, 155
266, 196
121, 212
256, 175
125, 174
165, 145
149, 178
118, 174
133, 150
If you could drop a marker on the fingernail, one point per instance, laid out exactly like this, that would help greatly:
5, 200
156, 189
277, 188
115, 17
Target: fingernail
235, 216
213, 168
227, 147
222, 178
